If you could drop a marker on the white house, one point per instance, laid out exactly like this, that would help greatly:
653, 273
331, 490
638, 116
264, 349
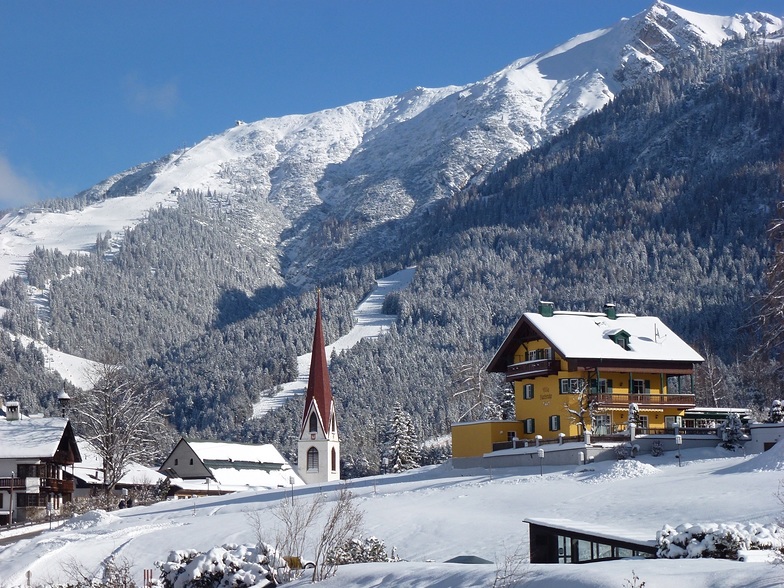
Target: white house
214, 467
35, 454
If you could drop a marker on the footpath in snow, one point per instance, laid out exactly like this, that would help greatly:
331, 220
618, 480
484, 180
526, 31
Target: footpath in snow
369, 322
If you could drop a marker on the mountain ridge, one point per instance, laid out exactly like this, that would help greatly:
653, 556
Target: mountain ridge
365, 164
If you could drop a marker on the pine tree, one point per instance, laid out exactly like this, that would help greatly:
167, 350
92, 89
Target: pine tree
401, 448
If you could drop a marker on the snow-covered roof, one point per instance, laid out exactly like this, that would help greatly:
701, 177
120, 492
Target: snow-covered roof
238, 480
238, 466
577, 334
595, 530
213, 451
31, 438
90, 470
592, 335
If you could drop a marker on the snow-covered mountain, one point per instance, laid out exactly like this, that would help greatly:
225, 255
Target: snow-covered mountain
331, 176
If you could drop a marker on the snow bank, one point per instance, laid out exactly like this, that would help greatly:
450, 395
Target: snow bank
93, 518
771, 460
623, 469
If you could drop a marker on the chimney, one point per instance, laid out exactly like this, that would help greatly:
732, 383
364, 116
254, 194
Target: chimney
609, 311
546, 308
12, 410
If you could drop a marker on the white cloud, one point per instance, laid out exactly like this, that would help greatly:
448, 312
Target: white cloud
143, 97
15, 190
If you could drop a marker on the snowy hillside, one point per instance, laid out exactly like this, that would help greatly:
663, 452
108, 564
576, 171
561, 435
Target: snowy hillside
360, 165
434, 514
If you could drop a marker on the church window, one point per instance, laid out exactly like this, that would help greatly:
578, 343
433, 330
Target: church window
334, 460
313, 459
313, 422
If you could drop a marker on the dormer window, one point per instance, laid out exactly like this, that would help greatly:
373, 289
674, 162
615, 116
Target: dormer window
620, 337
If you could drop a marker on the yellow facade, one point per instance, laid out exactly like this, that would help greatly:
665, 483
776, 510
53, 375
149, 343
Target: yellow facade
477, 438
578, 371
541, 402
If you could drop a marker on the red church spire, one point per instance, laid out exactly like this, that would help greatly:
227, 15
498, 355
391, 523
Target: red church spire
319, 389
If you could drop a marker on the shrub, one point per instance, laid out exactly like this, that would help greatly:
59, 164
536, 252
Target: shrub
721, 541
358, 550
238, 566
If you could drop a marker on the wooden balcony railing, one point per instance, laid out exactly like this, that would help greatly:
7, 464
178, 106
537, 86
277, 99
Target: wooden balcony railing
623, 400
45, 485
8, 483
528, 369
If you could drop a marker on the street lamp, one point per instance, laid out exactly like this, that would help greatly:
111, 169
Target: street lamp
541, 461
678, 443
291, 481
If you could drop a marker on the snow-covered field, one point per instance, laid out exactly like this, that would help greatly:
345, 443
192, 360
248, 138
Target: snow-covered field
437, 513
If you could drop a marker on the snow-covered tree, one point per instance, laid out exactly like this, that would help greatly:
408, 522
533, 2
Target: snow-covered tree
732, 432
401, 448
776, 412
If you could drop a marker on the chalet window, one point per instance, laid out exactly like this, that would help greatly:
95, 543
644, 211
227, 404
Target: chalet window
641, 386
603, 386
537, 354
313, 459
176, 461
600, 424
529, 426
191, 461
313, 424
528, 391
24, 499
642, 421
571, 385
555, 422
670, 422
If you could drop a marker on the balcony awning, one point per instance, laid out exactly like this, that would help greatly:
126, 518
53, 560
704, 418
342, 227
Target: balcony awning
626, 409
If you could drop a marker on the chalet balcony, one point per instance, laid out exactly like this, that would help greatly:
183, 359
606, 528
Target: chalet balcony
645, 400
8, 483
45, 485
531, 369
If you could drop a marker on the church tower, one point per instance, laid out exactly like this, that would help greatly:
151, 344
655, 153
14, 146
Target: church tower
318, 448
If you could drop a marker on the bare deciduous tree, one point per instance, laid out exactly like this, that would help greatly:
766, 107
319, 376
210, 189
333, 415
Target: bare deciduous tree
344, 521
583, 409
122, 417
297, 516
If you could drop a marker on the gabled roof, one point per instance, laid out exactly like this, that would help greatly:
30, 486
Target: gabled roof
237, 466
218, 452
319, 389
39, 438
588, 339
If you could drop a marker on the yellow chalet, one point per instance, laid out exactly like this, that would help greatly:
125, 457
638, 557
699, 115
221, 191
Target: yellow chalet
574, 372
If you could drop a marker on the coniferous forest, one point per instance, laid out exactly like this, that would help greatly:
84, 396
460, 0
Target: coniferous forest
660, 203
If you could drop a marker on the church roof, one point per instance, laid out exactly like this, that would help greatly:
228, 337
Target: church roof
319, 389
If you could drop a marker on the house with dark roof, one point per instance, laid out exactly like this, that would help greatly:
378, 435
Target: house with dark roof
573, 373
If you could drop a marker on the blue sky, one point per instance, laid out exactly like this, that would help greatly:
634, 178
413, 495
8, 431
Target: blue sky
89, 89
